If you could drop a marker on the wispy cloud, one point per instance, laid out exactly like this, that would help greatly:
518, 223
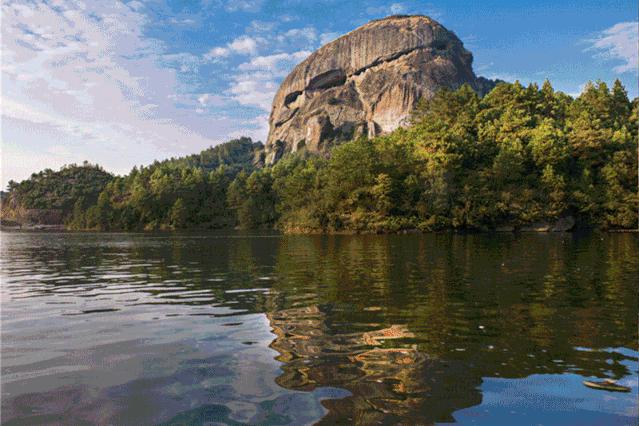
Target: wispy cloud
278, 64
392, 9
258, 79
509, 77
84, 75
328, 37
243, 5
218, 52
244, 45
619, 42
409, 7
125, 82
308, 34
266, 53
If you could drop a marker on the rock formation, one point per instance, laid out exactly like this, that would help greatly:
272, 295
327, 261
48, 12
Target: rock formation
366, 82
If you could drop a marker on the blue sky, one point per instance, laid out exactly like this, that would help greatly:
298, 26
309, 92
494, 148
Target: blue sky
123, 83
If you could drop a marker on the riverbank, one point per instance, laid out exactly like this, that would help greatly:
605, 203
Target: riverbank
32, 228
498, 230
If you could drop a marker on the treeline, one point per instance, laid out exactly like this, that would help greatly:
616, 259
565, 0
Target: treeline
172, 194
518, 156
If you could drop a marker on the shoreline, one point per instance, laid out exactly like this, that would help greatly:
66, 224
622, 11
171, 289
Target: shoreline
511, 230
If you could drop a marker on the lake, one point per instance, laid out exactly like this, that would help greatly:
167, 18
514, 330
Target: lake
137, 329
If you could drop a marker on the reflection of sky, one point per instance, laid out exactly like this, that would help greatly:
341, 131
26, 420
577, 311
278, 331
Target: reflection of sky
543, 398
189, 367
137, 340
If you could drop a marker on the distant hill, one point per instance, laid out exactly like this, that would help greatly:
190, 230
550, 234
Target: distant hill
48, 197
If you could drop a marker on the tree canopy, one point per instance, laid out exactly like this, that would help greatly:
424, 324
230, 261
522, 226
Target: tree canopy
517, 156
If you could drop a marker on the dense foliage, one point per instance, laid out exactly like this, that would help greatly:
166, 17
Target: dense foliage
52, 194
517, 156
175, 193
238, 154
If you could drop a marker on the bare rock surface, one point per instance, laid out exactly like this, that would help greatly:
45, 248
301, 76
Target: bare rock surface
366, 82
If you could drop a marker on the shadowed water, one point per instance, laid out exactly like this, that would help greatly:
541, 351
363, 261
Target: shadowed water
139, 329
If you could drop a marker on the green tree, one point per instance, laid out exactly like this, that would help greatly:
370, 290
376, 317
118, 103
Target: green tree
382, 194
77, 219
178, 214
554, 189
518, 155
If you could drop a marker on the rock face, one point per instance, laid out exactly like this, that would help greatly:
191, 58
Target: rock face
366, 82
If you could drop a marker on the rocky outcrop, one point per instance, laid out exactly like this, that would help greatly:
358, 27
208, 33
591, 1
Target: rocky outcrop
366, 82
563, 224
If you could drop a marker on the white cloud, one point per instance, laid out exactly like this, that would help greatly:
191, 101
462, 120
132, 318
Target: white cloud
254, 89
255, 128
405, 8
244, 45
218, 52
279, 64
262, 26
183, 21
268, 62
254, 82
209, 99
203, 98
18, 164
393, 9
397, 8
481, 67
259, 80
84, 77
135, 5
308, 34
620, 42
243, 5
184, 62
509, 77
328, 37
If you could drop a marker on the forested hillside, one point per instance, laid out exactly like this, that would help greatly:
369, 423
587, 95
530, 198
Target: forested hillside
47, 197
71, 195
519, 156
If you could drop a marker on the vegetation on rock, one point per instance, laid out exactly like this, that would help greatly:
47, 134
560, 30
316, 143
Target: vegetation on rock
366, 82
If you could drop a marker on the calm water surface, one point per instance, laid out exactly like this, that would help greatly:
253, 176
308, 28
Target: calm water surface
137, 329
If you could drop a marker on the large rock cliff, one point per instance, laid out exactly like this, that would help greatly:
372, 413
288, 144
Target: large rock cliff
366, 82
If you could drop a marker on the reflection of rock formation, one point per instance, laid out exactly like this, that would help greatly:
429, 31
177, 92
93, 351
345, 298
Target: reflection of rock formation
393, 384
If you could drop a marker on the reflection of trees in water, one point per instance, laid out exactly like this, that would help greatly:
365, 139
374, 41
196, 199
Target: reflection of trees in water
544, 289
388, 384
529, 292
469, 307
